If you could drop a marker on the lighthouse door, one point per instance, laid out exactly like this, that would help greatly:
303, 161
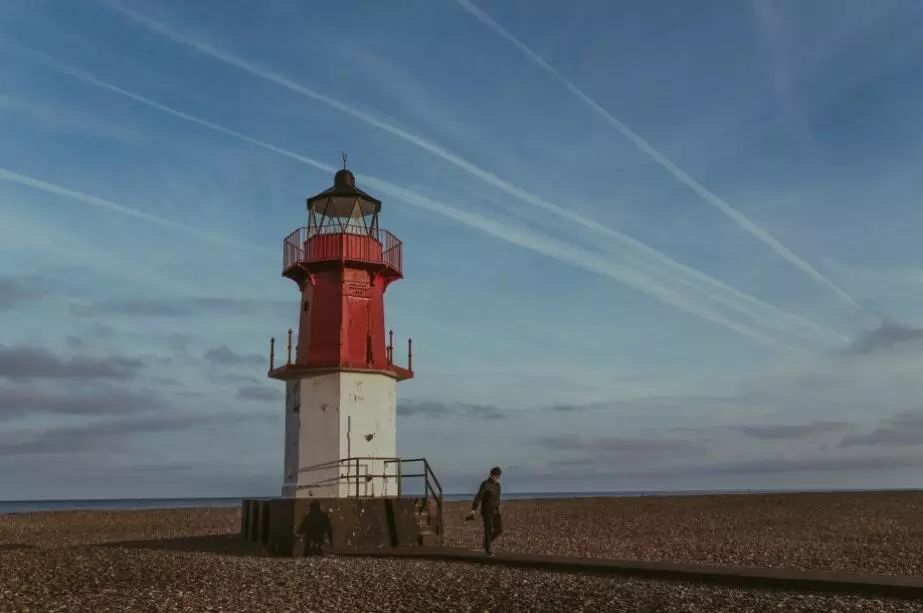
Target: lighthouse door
358, 330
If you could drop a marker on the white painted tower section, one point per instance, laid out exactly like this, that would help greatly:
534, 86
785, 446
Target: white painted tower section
333, 416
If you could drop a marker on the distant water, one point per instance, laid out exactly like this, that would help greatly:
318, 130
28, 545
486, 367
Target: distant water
116, 504
125, 504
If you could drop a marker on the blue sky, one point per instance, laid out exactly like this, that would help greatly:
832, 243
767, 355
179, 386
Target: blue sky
647, 245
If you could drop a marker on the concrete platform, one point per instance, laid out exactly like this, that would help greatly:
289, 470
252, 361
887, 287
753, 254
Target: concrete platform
783, 579
280, 524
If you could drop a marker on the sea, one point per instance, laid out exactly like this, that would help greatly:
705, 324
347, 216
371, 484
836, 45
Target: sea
134, 504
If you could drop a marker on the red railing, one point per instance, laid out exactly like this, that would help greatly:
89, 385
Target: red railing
376, 246
293, 344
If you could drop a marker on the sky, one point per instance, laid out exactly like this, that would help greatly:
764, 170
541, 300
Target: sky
647, 245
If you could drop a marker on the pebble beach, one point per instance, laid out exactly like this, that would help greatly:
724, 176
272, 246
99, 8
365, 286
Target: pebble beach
191, 559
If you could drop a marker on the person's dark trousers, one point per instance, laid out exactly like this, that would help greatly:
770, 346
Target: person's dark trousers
493, 527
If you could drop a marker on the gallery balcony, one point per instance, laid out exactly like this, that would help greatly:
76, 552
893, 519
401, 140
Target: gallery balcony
376, 248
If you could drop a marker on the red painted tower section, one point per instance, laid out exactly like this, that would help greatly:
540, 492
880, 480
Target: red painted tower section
343, 263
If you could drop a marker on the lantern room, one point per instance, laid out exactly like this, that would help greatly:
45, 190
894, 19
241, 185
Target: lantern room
343, 208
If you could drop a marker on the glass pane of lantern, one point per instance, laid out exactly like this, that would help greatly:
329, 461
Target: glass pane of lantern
344, 206
355, 225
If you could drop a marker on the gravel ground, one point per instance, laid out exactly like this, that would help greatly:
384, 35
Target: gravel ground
876, 533
132, 579
189, 560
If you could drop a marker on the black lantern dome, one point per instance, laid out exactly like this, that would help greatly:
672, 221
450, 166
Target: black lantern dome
344, 199
343, 208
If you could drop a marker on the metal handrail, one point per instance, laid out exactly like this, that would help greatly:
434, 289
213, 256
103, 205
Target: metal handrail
384, 248
431, 486
292, 343
428, 489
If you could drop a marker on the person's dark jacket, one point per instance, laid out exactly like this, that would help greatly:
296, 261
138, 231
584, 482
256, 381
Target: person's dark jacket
488, 497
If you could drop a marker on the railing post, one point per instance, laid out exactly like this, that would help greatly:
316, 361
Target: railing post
399, 463
390, 346
272, 352
357, 477
289, 346
409, 354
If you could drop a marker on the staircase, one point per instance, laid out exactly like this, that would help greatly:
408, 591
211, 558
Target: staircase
356, 474
429, 528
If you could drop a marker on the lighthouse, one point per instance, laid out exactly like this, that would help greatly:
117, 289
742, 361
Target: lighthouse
341, 382
340, 464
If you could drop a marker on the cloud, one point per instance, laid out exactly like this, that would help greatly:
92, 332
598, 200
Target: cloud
180, 308
449, 410
135, 308
259, 393
790, 431
594, 450
645, 269
75, 343
905, 429
20, 401
68, 121
657, 402
51, 188
601, 470
884, 336
178, 343
112, 436
778, 38
576, 408
76, 255
241, 305
875, 281
822, 464
18, 291
224, 356
238, 379
33, 363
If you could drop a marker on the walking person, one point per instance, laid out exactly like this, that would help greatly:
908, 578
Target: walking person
488, 498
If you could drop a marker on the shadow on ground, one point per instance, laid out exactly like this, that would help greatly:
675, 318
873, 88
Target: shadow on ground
224, 544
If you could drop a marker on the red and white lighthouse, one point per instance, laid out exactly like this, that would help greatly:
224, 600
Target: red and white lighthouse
341, 382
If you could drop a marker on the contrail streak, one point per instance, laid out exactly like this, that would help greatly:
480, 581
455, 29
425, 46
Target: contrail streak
539, 243
486, 176
658, 157
74, 249
51, 188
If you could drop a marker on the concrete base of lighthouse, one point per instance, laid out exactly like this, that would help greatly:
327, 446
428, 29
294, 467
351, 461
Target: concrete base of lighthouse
282, 525
341, 468
331, 416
